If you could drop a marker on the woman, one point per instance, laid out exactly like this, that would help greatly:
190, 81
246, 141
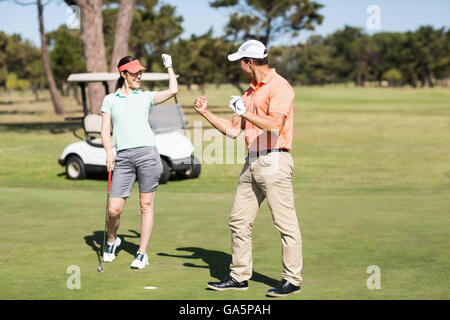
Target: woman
128, 108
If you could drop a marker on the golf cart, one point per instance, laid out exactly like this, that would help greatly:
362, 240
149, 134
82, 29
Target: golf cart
167, 122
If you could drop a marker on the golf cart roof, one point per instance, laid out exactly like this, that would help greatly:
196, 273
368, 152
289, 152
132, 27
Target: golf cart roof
113, 76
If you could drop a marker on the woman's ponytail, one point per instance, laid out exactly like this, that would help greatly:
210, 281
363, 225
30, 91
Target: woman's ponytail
119, 83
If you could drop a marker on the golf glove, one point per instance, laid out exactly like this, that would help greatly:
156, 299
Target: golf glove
237, 105
167, 60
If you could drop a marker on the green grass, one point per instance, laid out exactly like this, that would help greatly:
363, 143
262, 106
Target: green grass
372, 187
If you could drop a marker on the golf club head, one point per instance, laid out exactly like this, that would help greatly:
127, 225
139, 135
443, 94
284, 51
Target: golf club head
99, 268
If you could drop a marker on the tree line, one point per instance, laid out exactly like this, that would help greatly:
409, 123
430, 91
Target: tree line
146, 29
418, 58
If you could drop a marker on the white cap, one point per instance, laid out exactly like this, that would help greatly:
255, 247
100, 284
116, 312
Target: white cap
250, 49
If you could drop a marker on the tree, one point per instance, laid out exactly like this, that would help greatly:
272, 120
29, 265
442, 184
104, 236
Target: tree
3, 57
416, 58
14, 83
203, 59
57, 105
93, 46
429, 56
66, 54
23, 59
389, 47
347, 48
268, 19
33, 70
94, 32
363, 57
393, 76
307, 64
152, 29
122, 32
264, 20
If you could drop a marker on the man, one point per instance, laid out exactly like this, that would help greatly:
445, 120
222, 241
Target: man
265, 113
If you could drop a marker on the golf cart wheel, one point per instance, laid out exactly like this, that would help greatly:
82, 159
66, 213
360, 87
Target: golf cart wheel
193, 171
75, 168
165, 175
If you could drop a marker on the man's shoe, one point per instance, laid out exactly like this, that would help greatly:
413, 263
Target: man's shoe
110, 249
228, 284
284, 288
140, 261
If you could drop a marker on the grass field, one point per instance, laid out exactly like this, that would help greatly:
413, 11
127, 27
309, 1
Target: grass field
372, 187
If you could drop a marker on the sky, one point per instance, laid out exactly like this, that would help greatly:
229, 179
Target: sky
199, 17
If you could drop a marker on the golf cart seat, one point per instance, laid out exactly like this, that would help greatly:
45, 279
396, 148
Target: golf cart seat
92, 125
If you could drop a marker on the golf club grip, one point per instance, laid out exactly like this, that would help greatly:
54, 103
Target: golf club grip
109, 180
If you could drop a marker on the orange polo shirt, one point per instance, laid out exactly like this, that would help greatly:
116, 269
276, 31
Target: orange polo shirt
272, 94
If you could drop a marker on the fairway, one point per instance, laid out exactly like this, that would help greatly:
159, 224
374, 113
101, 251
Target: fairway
371, 183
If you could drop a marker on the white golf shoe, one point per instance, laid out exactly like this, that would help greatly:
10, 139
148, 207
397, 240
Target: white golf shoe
140, 261
110, 249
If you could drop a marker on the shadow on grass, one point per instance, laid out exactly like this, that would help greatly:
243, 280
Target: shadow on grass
24, 101
24, 112
52, 127
103, 176
95, 241
98, 176
218, 263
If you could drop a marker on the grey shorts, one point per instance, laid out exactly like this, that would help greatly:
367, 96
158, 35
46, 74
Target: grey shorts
143, 163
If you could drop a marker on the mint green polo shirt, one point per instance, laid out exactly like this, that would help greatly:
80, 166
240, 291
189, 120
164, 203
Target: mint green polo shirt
129, 116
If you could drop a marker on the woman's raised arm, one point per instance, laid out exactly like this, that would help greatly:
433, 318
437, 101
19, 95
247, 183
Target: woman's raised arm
164, 95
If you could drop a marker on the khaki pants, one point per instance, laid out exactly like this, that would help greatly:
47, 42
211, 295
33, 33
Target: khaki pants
268, 176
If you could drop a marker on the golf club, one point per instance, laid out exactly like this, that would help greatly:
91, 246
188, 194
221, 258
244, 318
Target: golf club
99, 267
